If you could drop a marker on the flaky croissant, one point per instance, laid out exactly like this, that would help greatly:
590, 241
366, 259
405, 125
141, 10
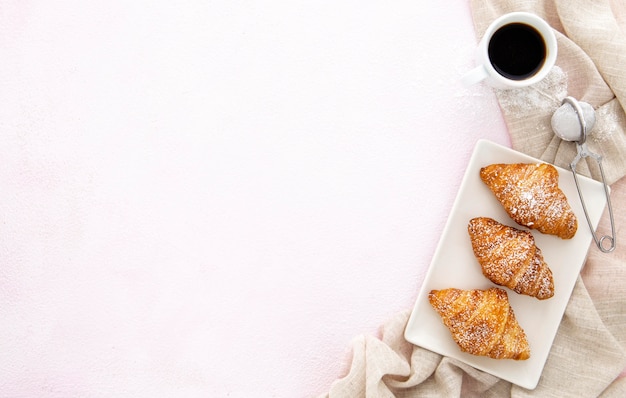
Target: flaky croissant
531, 196
482, 322
509, 257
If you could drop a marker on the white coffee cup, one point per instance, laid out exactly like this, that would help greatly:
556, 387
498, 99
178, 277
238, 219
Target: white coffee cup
517, 50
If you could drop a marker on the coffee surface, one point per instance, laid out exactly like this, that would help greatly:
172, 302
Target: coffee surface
517, 51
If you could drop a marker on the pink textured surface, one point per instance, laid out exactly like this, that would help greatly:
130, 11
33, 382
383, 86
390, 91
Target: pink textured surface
212, 198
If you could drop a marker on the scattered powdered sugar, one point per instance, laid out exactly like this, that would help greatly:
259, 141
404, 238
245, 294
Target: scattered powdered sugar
607, 121
543, 97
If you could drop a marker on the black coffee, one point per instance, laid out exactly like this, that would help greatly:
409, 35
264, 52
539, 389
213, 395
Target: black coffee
517, 51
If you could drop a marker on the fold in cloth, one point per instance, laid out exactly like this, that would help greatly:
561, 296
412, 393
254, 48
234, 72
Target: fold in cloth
583, 363
588, 353
589, 67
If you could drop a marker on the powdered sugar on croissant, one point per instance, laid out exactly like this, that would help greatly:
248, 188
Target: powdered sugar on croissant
509, 257
531, 196
481, 322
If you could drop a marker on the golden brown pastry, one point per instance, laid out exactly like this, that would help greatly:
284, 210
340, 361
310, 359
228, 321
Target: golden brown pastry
509, 257
531, 196
482, 322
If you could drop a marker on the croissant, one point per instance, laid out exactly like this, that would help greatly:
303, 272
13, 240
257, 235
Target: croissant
531, 196
482, 322
509, 257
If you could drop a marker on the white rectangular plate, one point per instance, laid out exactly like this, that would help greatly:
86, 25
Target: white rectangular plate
454, 265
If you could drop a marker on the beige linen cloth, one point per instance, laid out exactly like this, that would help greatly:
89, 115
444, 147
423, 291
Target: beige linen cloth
588, 354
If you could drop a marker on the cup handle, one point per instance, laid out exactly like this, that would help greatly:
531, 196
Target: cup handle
474, 76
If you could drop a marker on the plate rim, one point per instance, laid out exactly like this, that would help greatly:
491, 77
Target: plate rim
528, 380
